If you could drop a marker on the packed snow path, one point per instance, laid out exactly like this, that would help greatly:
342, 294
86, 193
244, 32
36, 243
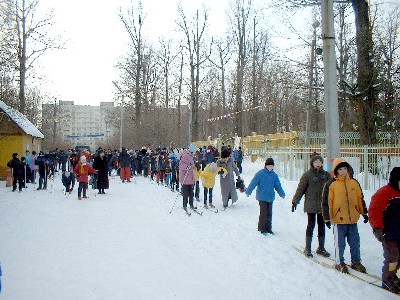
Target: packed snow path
126, 245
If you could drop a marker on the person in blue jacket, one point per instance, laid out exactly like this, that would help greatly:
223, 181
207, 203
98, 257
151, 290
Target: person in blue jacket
267, 182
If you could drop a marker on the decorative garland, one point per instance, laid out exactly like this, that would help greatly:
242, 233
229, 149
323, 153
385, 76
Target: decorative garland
215, 119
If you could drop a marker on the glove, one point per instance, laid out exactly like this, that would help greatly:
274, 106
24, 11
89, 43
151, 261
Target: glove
365, 218
378, 232
328, 224
294, 206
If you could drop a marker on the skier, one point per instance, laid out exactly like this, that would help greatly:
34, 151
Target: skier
100, 165
208, 181
342, 204
197, 172
82, 171
28, 171
17, 168
267, 182
42, 164
311, 185
186, 175
125, 164
33, 167
227, 180
384, 218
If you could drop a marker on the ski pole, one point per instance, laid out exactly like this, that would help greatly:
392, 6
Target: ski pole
176, 198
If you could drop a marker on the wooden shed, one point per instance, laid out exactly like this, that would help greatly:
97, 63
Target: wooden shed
17, 134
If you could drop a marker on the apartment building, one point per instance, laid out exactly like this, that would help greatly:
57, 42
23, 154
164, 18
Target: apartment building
67, 124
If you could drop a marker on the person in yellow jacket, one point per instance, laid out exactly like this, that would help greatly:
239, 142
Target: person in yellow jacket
197, 172
342, 204
208, 181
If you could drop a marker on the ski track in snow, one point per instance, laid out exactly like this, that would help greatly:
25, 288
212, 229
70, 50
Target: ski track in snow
126, 245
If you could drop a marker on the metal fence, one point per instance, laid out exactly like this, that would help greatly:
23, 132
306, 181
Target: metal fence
371, 165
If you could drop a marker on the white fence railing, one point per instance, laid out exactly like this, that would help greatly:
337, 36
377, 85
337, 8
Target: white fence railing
371, 165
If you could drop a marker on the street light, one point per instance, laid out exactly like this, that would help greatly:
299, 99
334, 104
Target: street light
122, 114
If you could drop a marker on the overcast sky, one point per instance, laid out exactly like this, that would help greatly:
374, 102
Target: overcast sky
95, 38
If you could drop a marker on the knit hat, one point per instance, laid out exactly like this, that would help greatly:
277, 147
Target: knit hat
314, 158
14, 154
269, 162
394, 178
193, 148
225, 153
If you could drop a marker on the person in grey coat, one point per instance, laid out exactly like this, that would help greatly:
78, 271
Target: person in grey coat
227, 181
311, 185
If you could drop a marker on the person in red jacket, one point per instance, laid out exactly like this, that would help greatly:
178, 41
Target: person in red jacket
82, 171
384, 217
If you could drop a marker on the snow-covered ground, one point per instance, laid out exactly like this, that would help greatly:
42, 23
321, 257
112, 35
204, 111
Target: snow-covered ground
126, 245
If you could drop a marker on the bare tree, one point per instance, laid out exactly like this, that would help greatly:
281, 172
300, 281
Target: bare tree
241, 17
224, 55
133, 22
32, 40
194, 38
387, 52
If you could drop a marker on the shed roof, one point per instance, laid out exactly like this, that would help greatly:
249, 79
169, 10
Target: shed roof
21, 121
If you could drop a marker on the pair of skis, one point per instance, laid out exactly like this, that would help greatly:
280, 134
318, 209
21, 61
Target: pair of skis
328, 263
210, 208
192, 209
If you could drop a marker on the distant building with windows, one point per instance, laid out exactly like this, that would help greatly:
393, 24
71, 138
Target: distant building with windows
67, 125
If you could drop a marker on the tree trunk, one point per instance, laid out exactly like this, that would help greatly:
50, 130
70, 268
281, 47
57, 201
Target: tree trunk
366, 73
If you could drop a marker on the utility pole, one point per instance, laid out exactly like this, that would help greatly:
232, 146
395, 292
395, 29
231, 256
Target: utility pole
121, 115
311, 84
330, 83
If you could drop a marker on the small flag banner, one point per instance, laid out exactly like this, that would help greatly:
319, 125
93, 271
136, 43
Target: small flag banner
215, 119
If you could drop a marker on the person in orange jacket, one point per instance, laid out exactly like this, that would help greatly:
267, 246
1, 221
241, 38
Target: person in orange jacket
342, 204
82, 171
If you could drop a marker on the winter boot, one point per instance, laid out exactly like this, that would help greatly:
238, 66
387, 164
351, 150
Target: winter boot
321, 249
358, 266
307, 249
342, 268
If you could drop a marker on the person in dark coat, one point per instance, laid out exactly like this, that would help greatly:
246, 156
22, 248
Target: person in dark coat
42, 163
384, 217
125, 160
17, 168
311, 185
100, 164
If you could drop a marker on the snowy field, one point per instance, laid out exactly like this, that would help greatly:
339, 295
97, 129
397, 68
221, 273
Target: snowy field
126, 245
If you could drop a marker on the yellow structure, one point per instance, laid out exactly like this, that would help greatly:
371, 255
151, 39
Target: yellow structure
17, 134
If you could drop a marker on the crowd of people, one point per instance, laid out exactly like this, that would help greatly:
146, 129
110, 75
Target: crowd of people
331, 199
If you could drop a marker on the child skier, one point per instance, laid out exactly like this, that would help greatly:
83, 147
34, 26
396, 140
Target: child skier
267, 182
208, 181
311, 185
384, 217
342, 204
82, 171
186, 175
197, 172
